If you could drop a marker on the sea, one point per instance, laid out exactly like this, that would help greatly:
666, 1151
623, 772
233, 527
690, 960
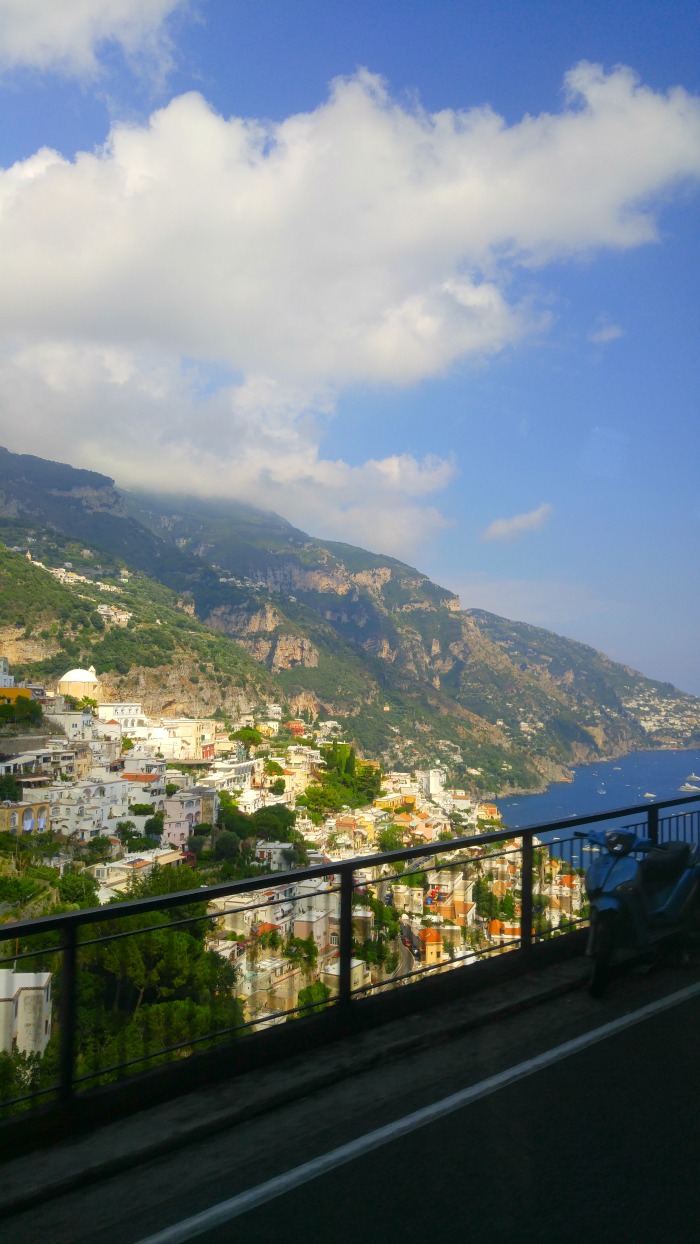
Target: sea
606, 786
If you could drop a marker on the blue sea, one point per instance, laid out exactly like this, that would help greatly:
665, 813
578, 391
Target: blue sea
605, 786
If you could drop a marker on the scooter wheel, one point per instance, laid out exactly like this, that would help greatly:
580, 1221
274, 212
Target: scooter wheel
600, 975
602, 957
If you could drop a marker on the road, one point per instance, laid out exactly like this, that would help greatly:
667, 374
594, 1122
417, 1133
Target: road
600, 1143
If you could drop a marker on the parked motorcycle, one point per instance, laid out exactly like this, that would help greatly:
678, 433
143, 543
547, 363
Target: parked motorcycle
640, 894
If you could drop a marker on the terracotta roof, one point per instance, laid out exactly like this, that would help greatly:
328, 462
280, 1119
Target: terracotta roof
141, 777
266, 928
429, 935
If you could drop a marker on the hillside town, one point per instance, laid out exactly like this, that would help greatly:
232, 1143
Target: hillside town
114, 796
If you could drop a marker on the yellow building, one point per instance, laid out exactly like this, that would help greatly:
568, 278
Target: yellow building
10, 695
80, 683
25, 818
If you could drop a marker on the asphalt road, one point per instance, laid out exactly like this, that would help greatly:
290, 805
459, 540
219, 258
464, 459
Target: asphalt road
602, 1145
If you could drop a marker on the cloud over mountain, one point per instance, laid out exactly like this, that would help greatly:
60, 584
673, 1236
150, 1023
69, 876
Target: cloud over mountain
196, 294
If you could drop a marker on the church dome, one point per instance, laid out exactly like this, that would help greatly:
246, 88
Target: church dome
80, 675
80, 683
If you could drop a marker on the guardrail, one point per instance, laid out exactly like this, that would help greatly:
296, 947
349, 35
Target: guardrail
137, 985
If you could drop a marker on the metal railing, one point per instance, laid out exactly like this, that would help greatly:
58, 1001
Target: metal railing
120, 949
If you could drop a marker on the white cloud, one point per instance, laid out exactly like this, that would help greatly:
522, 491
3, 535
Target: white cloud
68, 35
143, 418
194, 296
605, 332
511, 528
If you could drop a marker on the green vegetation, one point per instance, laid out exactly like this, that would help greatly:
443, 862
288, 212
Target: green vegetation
314, 997
23, 712
9, 789
345, 783
248, 736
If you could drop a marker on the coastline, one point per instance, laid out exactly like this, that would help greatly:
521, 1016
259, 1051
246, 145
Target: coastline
515, 792
632, 780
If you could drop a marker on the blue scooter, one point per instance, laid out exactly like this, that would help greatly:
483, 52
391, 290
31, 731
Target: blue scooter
640, 894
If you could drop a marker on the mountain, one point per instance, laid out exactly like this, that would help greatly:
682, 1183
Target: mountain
343, 632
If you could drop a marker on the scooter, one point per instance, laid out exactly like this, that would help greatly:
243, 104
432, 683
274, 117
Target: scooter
640, 894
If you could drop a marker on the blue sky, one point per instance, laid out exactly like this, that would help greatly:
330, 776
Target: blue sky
422, 277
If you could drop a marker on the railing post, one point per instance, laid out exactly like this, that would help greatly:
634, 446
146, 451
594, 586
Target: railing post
526, 906
67, 1012
653, 823
346, 889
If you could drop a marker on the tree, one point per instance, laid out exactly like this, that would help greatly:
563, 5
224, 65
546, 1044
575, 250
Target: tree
297, 856
126, 830
506, 907
9, 789
170, 788
486, 902
202, 829
154, 824
314, 997
277, 787
78, 889
96, 849
248, 736
390, 839
274, 822
227, 846
302, 951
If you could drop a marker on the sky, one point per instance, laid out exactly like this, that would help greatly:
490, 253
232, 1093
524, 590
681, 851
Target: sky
419, 276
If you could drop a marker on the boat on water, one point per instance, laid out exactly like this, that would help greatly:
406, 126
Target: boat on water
649, 794
689, 786
693, 777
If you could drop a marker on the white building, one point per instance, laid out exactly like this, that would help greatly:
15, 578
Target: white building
431, 781
25, 1011
86, 809
125, 712
6, 678
119, 876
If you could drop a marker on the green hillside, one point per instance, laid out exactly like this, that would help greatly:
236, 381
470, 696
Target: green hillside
66, 622
239, 599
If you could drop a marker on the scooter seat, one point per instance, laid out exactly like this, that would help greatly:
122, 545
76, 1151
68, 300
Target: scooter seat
664, 864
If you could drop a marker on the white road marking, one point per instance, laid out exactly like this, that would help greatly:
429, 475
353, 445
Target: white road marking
225, 1211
